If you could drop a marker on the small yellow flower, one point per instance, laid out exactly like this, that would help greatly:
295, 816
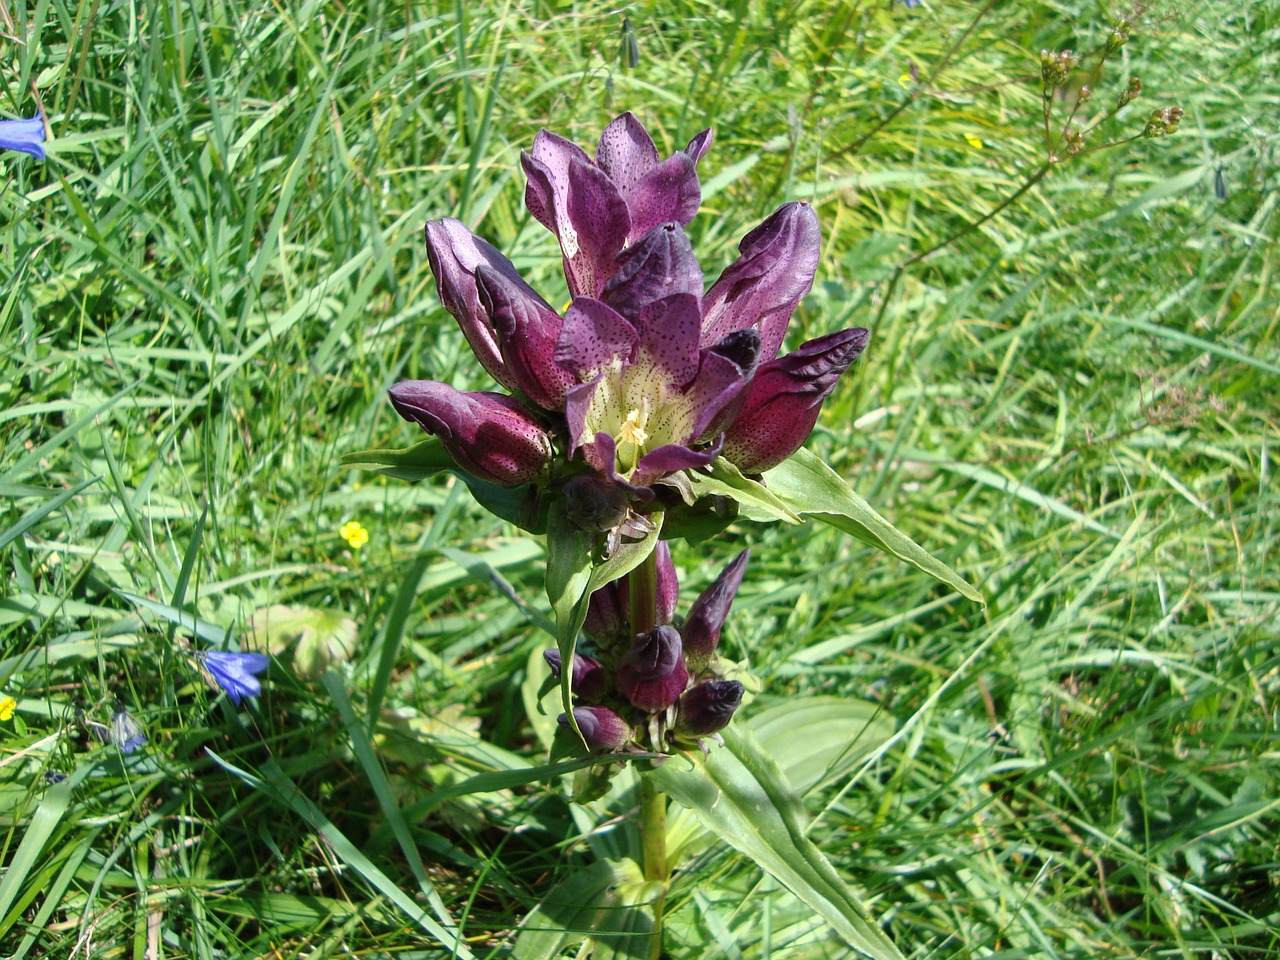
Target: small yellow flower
905, 81
7, 706
975, 142
354, 533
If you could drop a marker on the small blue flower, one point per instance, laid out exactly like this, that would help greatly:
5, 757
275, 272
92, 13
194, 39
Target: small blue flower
234, 672
126, 732
24, 135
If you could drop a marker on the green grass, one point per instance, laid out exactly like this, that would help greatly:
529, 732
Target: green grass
207, 288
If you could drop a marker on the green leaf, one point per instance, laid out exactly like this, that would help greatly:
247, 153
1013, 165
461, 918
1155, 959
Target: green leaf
755, 501
820, 739
809, 487
569, 564
405, 463
608, 901
741, 795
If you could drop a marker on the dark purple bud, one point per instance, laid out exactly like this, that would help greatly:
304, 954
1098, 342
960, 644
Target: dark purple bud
784, 398
602, 729
701, 633
594, 504
589, 680
652, 674
707, 708
659, 264
488, 435
455, 254
527, 330
761, 289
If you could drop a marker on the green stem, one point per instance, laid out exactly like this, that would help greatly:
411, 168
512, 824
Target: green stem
653, 827
642, 585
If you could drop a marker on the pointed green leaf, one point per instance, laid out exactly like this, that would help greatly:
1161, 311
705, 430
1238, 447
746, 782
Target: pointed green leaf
809, 487
755, 501
740, 794
413, 463
608, 901
820, 739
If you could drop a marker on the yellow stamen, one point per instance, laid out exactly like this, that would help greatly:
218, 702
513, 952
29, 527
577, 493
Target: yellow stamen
631, 431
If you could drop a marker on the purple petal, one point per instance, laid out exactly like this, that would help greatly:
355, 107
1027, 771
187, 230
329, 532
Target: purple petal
593, 226
527, 330
488, 435
547, 168
25, 136
593, 337
660, 264
669, 459
455, 253
785, 397
668, 340
699, 145
719, 390
577, 403
701, 631
626, 152
763, 286
668, 192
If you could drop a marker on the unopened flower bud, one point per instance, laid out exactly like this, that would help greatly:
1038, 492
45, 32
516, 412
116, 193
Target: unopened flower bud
701, 632
1163, 122
609, 610
1056, 66
602, 729
653, 672
1131, 93
707, 708
1074, 141
1119, 34
589, 679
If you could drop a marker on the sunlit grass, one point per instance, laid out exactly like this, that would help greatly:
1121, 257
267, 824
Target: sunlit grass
209, 285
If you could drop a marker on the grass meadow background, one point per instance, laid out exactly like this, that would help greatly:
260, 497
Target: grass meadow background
207, 288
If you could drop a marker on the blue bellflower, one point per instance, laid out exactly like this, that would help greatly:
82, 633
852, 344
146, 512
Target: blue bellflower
126, 732
234, 672
24, 135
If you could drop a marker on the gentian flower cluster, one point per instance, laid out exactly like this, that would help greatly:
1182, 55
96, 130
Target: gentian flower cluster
648, 374
659, 688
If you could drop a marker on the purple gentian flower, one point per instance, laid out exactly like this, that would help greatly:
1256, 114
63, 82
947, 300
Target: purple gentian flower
234, 672
598, 207
26, 136
647, 374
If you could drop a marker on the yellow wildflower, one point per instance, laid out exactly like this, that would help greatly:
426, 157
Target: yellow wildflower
975, 142
905, 81
7, 706
354, 533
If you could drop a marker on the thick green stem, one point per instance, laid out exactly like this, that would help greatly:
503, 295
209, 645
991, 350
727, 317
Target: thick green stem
642, 585
653, 827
